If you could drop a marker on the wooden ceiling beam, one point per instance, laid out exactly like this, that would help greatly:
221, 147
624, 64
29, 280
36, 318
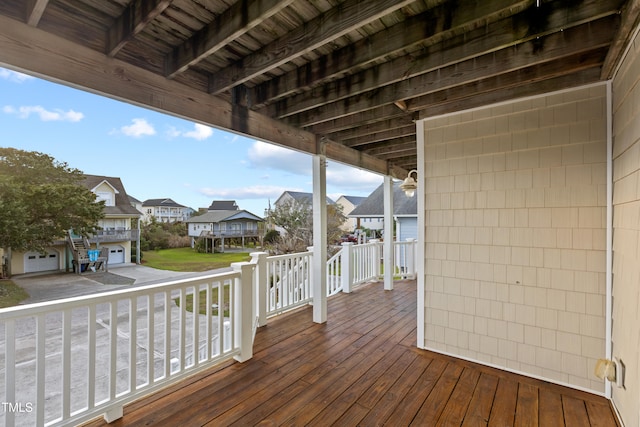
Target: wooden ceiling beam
485, 97
549, 48
630, 19
34, 10
33, 51
393, 146
382, 136
374, 128
348, 16
585, 38
234, 22
365, 118
136, 16
571, 65
442, 22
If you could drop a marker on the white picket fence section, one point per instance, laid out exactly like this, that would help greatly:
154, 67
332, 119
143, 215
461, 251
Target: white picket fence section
68, 361
288, 282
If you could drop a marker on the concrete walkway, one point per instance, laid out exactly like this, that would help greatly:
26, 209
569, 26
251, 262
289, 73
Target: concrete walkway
53, 286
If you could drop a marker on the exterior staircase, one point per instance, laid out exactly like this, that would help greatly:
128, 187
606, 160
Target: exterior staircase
82, 262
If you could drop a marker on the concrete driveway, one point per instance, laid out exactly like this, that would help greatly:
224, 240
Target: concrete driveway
53, 286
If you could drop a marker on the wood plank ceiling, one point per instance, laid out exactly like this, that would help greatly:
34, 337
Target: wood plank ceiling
347, 78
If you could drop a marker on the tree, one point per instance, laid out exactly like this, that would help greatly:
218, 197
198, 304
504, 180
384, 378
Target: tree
41, 199
296, 219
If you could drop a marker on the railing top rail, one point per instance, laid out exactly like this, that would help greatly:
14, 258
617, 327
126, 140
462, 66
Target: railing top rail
287, 256
104, 297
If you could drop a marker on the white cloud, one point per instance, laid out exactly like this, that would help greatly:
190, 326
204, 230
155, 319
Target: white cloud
200, 132
350, 178
45, 115
347, 178
270, 156
253, 192
139, 128
13, 76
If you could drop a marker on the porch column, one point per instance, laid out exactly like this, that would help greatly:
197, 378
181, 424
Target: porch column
387, 251
319, 239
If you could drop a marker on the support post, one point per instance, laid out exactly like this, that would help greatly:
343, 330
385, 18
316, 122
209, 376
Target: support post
319, 238
387, 251
346, 267
260, 279
243, 310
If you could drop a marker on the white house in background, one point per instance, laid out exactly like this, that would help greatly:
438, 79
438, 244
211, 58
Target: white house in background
370, 213
165, 210
136, 203
349, 203
225, 223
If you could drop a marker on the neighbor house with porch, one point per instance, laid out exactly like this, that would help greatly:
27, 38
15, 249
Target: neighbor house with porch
518, 122
225, 224
114, 236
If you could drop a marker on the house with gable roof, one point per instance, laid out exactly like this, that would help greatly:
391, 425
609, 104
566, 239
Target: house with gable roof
349, 203
225, 224
370, 213
165, 210
113, 238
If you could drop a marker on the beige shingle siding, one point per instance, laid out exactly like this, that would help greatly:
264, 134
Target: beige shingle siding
626, 236
515, 235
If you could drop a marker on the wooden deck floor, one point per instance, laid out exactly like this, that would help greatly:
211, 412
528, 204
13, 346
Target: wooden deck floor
361, 368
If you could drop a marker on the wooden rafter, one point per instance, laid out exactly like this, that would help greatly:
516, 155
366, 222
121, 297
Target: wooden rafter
231, 24
34, 10
327, 27
557, 46
630, 19
382, 136
132, 21
31, 49
351, 135
402, 70
443, 21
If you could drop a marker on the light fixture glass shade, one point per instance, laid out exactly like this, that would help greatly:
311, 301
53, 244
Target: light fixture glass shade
409, 186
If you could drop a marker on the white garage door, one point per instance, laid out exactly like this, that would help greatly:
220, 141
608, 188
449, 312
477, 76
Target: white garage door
116, 255
46, 261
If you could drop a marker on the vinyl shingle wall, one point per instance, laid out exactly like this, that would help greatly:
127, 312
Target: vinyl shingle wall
626, 236
515, 235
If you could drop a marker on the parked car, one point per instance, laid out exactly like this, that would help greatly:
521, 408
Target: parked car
349, 238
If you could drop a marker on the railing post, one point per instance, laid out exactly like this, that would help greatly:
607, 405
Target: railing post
377, 257
346, 267
260, 279
243, 310
410, 258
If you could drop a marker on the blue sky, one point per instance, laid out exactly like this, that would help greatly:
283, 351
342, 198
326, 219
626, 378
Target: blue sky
157, 155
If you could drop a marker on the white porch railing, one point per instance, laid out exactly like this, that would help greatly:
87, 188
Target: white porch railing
67, 361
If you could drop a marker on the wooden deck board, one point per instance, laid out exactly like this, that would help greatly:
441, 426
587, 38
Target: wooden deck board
361, 368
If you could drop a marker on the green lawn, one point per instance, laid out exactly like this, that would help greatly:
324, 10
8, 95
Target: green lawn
187, 259
11, 294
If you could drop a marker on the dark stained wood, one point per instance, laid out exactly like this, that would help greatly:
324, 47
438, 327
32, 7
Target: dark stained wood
318, 74
132, 21
361, 368
323, 29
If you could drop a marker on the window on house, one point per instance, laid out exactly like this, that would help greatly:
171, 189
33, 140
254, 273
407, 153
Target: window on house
106, 196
